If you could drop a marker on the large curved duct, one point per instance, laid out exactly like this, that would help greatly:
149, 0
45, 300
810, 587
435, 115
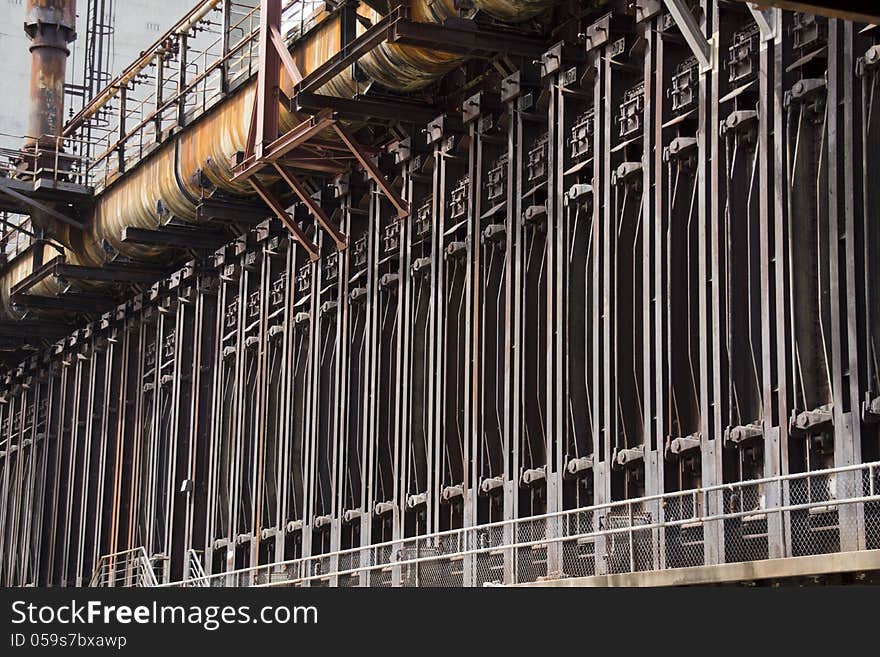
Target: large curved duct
171, 181
20, 269
406, 68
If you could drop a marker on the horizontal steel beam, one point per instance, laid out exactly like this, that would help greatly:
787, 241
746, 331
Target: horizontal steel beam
463, 37
41, 189
184, 239
290, 140
114, 274
39, 274
37, 205
310, 160
362, 108
79, 303
127, 274
44, 329
15, 344
226, 211
851, 10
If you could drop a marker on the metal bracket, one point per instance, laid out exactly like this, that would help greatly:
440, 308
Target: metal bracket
598, 34
682, 444
705, 50
812, 420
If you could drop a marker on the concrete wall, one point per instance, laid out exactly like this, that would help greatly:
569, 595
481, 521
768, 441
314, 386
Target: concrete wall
138, 24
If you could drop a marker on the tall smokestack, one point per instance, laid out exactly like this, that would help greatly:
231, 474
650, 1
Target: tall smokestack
50, 26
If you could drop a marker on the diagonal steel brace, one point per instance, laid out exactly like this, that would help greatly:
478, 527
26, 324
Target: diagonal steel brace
279, 210
702, 48
316, 210
766, 20
372, 170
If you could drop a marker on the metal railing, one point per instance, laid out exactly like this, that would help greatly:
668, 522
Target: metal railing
208, 53
51, 158
125, 569
819, 512
195, 572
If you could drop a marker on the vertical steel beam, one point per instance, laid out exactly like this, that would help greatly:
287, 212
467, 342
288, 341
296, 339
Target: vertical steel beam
268, 78
844, 340
182, 64
709, 336
603, 401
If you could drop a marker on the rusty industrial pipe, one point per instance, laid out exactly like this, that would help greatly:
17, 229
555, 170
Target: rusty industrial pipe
50, 26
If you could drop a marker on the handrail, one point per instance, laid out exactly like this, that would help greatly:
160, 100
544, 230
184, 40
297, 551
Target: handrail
157, 103
173, 100
194, 573
131, 71
698, 514
124, 567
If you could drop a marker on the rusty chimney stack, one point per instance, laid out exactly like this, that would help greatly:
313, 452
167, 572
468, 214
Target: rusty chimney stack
50, 26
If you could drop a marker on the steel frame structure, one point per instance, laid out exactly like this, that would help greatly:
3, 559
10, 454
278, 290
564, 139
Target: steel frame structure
612, 272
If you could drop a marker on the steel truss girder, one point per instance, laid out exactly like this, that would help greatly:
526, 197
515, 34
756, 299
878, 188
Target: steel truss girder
184, 238
358, 108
